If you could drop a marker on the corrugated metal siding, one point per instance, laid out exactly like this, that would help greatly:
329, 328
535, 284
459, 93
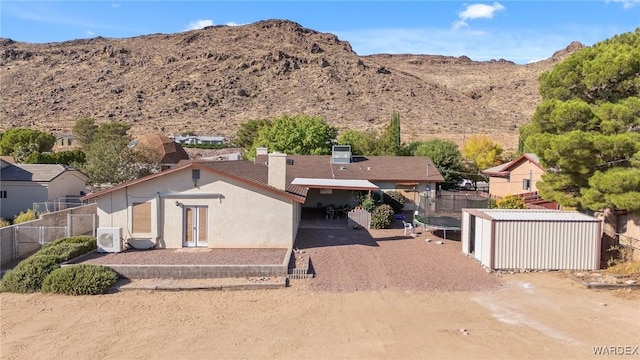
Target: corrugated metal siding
464, 236
550, 245
483, 242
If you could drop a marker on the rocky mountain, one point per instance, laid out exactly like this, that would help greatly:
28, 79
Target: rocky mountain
211, 80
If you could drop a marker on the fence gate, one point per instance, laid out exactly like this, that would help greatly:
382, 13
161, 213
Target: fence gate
28, 239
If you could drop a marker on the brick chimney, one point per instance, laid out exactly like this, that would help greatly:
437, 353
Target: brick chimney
278, 170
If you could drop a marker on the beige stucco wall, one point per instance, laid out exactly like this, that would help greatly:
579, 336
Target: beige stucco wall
69, 183
243, 216
499, 186
20, 196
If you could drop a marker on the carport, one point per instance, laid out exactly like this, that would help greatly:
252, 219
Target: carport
329, 193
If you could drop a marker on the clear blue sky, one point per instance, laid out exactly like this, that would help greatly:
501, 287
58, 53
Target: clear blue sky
520, 31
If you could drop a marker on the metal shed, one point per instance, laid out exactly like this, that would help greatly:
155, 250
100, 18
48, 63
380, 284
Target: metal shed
532, 239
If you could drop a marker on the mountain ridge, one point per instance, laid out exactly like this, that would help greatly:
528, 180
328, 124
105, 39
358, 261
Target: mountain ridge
211, 80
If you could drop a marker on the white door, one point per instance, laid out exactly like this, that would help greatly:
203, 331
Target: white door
195, 226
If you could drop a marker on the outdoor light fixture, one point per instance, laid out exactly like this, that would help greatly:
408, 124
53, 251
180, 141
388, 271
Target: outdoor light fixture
179, 204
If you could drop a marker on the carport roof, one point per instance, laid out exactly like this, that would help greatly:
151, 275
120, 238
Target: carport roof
335, 184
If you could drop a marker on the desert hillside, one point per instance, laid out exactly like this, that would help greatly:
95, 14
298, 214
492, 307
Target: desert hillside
211, 80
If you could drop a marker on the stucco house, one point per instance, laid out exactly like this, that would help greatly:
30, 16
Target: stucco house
516, 177
247, 204
216, 204
22, 185
410, 175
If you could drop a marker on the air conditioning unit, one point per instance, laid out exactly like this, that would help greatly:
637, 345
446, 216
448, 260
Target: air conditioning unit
109, 239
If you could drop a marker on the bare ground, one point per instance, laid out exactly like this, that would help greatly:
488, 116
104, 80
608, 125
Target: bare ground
377, 296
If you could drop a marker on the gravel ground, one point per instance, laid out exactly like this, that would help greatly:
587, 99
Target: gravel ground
191, 257
354, 260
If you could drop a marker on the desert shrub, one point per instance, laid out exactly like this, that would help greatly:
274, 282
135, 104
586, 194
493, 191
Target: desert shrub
65, 251
69, 248
511, 202
4, 222
82, 279
368, 203
381, 217
25, 216
86, 241
395, 199
28, 275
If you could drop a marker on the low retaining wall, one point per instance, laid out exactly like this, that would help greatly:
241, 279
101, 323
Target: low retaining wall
198, 271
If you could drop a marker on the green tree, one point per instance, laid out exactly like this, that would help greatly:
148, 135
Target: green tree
586, 129
21, 142
110, 159
67, 157
84, 130
300, 134
480, 153
248, 131
390, 143
445, 156
362, 142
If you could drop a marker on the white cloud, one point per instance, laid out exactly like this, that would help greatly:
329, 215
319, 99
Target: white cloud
90, 33
231, 23
198, 24
477, 11
519, 45
115, 5
627, 4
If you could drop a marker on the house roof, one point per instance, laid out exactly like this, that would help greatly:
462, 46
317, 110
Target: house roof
241, 170
504, 169
34, 172
169, 152
398, 169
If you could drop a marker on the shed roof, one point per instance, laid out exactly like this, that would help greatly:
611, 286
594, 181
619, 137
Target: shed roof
534, 215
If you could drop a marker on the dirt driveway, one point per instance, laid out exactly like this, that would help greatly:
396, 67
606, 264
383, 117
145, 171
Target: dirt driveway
350, 260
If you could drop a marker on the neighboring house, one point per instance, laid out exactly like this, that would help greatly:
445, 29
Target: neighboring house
516, 177
198, 140
65, 142
168, 152
250, 204
22, 185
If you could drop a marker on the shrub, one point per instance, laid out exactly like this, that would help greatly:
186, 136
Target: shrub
395, 199
381, 217
511, 202
25, 216
28, 275
86, 241
368, 203
80, 279
4, 222
65, 251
